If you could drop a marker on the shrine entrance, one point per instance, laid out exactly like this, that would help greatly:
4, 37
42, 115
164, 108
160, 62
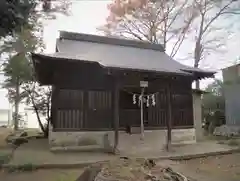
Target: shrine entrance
154, 108
129, 113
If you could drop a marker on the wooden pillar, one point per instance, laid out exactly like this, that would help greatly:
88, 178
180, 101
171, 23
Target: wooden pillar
142, 116
54, 106
85, 109
116, 115
169, 123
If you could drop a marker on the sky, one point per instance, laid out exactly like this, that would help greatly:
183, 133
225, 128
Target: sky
87, 15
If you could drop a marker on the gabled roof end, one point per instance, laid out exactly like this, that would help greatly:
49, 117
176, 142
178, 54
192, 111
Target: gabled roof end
110, 40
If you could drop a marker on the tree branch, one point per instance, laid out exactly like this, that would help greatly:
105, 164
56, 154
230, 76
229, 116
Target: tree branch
220, 12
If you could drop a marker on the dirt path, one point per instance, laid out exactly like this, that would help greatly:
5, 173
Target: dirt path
219, 168
43, 175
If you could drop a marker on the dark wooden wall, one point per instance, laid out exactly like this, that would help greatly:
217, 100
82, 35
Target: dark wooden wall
83, 99
82, 109
89, 76
157, 116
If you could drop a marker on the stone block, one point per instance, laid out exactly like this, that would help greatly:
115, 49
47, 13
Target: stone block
227, 131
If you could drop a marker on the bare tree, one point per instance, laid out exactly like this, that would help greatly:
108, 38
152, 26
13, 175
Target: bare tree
165, 22
207, 38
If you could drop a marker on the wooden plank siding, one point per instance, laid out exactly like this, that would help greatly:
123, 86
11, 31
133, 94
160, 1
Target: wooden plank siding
74, 113
157, 115
99, 110
69, 106
93, 110
83, 99
182, 109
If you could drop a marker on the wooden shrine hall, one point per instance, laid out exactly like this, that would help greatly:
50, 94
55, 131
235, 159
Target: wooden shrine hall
98, 84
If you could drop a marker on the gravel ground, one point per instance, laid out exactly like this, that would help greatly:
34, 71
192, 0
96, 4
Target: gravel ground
217, 168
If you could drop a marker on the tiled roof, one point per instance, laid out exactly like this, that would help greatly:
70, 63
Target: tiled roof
119, 53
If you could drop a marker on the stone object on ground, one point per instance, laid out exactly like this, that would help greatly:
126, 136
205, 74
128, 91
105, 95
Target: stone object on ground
19, 141
4, 133
228, 131
21, 137
19, 134
125, 169
90, 173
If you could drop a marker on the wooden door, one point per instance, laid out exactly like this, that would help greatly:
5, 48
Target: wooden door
99, 113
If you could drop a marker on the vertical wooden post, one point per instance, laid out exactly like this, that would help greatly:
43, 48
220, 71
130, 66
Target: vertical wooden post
169, 123
116, 115
142, 116
85, 109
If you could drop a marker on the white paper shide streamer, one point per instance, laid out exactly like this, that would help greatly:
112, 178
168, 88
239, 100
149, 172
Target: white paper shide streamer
148, 99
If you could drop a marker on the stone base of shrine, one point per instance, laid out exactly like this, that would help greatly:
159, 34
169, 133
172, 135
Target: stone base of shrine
184, 136
104, 140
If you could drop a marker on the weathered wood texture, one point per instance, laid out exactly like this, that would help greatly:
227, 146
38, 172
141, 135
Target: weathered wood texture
83, 99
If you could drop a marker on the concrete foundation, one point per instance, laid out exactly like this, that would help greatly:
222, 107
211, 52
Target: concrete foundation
105, 139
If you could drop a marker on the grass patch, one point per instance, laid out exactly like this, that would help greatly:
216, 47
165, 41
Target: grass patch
28, 167
230, 142
4, 158
219, 138
234, 142
67, 177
